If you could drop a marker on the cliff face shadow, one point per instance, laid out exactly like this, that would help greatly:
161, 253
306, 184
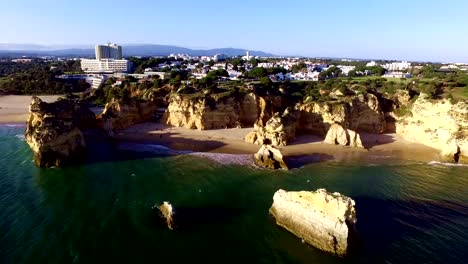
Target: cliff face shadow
102, 149
370, 140
305, 139
295, 162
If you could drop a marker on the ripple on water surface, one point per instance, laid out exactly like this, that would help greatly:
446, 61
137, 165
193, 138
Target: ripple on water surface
407, 212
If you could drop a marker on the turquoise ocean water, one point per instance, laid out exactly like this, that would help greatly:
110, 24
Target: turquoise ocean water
101, 212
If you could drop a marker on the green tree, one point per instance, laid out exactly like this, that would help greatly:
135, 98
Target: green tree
258, 72
266, 81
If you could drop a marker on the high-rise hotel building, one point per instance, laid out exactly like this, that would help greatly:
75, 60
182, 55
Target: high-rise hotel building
108, 60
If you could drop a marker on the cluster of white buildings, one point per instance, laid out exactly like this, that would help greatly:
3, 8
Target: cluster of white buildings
393, 66
108, 60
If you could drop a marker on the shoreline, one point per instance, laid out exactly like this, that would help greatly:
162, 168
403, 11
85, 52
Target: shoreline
382, 147
304, 150
14, 111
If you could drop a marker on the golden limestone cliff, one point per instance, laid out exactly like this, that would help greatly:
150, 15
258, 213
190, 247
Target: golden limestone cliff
322, 219
54, 131
279, 130
438, 124
209, 113
359, 113
118, 114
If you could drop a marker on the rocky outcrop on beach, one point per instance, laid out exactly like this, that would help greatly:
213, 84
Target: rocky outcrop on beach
322, 219
278, 131
211, 113
54, 131
269, 157
267, 107
119, 114
337, 135
438, 124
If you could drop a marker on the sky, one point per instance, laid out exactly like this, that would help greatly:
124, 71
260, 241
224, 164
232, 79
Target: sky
416, 30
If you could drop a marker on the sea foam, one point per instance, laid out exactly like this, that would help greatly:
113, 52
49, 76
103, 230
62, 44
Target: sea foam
222, 158
438, 163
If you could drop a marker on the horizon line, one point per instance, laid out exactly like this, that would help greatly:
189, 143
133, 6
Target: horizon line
60, 47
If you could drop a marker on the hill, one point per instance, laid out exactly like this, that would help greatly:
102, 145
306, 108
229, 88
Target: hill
128, 50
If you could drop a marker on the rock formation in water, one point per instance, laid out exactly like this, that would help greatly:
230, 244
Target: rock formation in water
279, 130
211, 112
118, 114
337, 135
438, 124
54, 131
322, 219
167, 212
269, 157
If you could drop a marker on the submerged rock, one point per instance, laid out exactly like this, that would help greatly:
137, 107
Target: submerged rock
167, 212
338, 135
322, 219
53, 131
269, 157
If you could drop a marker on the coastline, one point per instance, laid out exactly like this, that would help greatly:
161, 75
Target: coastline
14, 111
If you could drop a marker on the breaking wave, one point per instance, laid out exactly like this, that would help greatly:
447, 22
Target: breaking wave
222, 158
438, 163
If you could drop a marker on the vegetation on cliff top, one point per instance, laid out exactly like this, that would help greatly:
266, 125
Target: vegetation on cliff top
39, 77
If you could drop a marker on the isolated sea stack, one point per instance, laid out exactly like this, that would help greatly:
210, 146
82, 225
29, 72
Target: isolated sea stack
53, 131
322, 219
167, 212
269, 157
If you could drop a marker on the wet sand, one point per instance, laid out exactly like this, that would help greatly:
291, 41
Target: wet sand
380, 147
15, 108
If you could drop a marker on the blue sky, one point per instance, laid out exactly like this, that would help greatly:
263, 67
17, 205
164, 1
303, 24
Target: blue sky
412, 30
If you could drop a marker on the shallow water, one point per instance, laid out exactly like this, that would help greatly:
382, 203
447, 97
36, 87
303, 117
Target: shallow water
408, 212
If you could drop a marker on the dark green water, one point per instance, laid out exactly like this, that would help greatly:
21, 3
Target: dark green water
102, 212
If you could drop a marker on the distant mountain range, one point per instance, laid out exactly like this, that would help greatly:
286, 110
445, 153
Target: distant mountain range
128, 50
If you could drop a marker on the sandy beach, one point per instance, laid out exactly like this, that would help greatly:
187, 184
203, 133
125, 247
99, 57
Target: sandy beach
379, 147
15, 108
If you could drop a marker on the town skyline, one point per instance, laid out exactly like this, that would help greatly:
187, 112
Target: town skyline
29, 49
416, 31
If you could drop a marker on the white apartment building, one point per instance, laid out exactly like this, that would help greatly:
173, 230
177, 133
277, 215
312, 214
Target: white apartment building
371, 64
346, 69
108, 51
397, 66
220, 57
104, 66
108, 60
